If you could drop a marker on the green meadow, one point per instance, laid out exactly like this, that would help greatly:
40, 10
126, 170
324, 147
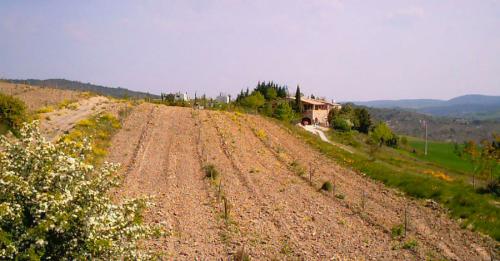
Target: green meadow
442, 154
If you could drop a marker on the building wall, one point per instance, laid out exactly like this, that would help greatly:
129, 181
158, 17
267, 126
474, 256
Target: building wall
223, 99
321, 115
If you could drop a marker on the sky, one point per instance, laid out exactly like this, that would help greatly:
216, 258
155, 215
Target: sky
342, 50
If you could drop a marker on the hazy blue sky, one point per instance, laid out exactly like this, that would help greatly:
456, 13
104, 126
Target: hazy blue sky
345, 50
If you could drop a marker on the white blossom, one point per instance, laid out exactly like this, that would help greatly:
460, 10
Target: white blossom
55, 206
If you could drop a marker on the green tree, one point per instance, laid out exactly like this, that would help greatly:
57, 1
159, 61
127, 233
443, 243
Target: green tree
363, 120
332, 114
283, 111
299, 107
472, 154
381, 134
254, 101
346, 109
489, 164
270, 94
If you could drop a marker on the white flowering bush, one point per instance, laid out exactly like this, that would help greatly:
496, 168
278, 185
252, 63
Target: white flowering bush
55, 206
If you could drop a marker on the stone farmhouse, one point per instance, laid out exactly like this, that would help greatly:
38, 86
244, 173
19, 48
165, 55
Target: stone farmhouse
316, 110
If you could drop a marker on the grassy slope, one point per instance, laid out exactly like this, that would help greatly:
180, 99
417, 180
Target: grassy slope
401, 170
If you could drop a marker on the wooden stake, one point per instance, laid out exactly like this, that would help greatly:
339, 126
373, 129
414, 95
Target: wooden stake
219, 190
406, 219
310, 176
226, 210
363, 200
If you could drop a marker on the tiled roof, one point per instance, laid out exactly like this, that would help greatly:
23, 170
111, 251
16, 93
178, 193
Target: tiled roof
313, 101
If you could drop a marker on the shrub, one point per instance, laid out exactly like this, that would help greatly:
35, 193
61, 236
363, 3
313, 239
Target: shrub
397, 231
12, 112
327, 186
410, 244
341, 124
297, 168
261, 134
211, 172
66, 104
55, 206
45, 109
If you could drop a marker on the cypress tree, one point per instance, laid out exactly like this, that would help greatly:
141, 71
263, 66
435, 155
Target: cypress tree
298, 103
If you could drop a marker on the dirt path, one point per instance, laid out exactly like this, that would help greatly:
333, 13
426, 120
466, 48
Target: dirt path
273, 212
316, 130
55, 123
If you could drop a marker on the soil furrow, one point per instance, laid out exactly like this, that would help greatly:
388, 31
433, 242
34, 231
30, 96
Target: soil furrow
296, 202
170, 171
385, 206
273, 212
250, 225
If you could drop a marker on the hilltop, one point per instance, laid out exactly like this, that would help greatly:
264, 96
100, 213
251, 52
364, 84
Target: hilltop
117, 92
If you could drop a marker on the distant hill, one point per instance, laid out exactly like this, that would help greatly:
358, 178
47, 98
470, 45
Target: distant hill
439, 128
117, 92
468, 106
406, 103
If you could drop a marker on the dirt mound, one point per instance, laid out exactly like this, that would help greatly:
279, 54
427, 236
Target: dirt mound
274, 209
55, 123
37, 97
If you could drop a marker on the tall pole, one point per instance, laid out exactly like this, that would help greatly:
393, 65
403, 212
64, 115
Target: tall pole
425, 122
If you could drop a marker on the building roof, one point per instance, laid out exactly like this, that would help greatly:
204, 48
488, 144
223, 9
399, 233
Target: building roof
313, 101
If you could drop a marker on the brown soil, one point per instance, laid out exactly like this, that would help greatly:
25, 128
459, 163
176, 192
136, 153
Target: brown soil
273, 212
37, 97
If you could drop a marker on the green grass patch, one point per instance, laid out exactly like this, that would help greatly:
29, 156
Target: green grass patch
441, 153
99, 129
478, 211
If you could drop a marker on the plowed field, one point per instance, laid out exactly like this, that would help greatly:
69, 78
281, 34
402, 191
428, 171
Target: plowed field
271, 181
